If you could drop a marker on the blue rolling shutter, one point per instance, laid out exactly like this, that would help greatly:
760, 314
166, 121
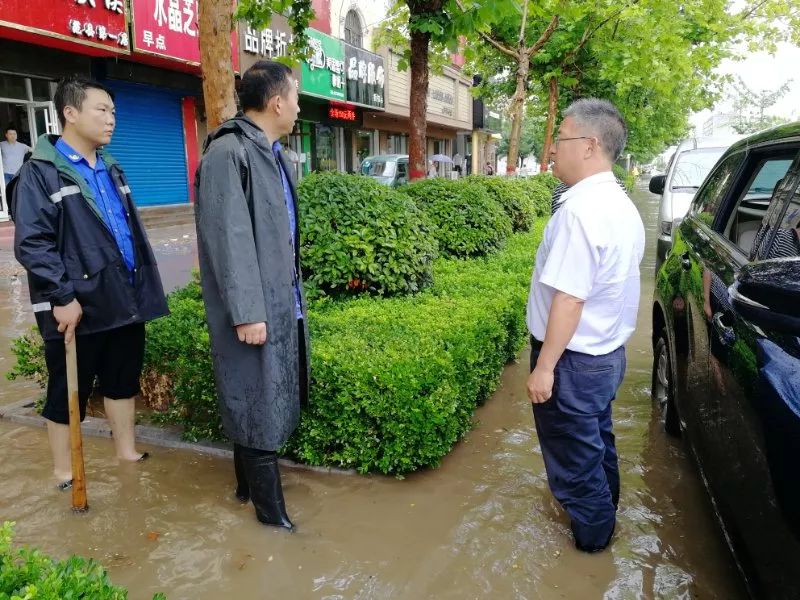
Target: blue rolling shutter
148, 141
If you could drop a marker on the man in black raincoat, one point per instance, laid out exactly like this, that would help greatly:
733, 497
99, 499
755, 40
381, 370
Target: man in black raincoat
250, 273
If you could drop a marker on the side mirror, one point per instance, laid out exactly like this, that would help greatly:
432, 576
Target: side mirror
657, 184
768, 295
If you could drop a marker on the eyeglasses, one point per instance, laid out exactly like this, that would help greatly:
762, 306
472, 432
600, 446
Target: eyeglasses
582, 137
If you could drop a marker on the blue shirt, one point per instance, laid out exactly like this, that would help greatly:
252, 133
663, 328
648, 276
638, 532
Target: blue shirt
287, 197
107, 199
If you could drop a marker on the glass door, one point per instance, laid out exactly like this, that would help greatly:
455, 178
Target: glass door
43, 119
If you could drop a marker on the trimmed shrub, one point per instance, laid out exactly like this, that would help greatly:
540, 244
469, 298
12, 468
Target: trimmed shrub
519, 206
396, 381
467, 221
537, 190
547, 179
358, 235
28, 573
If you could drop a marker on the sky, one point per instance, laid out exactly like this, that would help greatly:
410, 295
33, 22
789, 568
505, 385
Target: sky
762, 71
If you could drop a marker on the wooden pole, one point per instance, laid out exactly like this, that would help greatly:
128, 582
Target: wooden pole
79, 502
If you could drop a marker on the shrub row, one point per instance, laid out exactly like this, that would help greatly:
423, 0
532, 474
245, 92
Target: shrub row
396, 381
28, 573
360, 236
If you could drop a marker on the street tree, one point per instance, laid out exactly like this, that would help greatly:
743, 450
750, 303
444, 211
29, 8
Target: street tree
750, 106
217, 19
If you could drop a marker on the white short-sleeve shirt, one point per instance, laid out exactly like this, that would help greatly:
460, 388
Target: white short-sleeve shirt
591, 249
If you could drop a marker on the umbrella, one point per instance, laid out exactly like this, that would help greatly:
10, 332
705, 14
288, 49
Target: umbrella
441, 158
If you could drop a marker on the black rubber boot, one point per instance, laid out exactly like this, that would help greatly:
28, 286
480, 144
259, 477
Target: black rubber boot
264, 478
242, 489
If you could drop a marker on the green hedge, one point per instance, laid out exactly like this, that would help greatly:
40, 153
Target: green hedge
358, 235
467, 220
519, 205
27, 574
396, 381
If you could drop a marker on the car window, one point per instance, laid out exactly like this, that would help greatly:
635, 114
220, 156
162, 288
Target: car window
785, 243
707, 201
402, 170
692, 167
743, 226
378, 168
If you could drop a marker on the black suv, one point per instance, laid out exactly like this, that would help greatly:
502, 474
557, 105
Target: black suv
726, 339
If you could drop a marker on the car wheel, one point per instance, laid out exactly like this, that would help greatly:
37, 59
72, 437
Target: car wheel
662, 389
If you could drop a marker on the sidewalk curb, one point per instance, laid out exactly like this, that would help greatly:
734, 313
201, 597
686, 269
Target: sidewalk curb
22, 413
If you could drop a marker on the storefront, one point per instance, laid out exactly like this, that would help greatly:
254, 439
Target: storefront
449, 115
340, 86
40, 44
153, 74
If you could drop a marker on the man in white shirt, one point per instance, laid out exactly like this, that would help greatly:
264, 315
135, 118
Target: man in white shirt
582, 309
13, 153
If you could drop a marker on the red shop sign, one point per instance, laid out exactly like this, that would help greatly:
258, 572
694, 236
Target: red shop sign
342, 114
98, 24
168, 29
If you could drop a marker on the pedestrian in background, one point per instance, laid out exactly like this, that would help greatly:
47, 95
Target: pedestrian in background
91, 271
13, 153
489, 170
248, 236
433, 171
582, 309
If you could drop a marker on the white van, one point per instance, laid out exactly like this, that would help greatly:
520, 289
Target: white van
688, 167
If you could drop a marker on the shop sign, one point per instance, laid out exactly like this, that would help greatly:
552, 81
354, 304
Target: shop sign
366, 77
168, 28
323, 72
336, 113
444, 100
97, 23
267, 44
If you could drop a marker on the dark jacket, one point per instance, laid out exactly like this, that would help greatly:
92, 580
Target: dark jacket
247, 269
69, 253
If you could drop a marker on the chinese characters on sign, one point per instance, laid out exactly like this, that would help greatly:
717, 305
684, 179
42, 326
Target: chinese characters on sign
342, 114
323, 72
267, 43
445, 100
167, 27
98, 29
366, 77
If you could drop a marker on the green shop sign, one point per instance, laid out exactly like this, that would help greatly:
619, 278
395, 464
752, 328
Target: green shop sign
323, 71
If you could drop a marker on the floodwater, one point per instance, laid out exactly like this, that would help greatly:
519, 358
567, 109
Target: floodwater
483, 525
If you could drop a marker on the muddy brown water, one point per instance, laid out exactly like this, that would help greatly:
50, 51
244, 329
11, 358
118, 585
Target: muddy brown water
483, 525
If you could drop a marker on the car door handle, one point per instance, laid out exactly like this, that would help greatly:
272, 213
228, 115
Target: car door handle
686, 262
725, 334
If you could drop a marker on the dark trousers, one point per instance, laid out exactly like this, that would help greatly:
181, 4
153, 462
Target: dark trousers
575, 433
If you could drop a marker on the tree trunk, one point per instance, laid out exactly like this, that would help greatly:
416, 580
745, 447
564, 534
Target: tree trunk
552, 107
418, 124
215, 24
517, 110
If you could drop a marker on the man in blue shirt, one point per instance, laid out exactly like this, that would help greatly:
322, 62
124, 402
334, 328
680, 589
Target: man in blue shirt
91, 271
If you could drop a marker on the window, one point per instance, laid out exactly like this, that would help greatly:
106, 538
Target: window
786, 241
692, 168
352, 29
708, 199
744, 224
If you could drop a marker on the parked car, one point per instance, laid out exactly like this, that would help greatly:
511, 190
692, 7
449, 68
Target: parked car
686, 170
726, 339
388, 169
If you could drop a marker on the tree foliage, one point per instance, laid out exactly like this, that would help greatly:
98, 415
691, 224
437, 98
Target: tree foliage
750, 106
623, 50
